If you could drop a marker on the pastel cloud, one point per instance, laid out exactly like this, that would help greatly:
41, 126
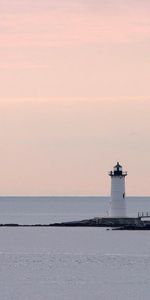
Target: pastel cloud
62, 28
79, 47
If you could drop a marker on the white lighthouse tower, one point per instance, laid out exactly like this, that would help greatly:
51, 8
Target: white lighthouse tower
118, 201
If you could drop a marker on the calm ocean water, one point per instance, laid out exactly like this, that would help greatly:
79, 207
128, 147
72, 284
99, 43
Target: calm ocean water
54, 209
71, 263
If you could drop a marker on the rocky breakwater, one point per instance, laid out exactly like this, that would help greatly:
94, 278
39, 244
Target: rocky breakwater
104, 222
114, 223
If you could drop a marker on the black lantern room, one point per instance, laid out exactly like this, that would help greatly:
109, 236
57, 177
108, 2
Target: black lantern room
117, 171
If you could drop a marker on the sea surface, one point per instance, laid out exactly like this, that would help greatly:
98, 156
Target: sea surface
71, 263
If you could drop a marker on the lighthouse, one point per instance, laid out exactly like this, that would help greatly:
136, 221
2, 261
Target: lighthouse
117, 201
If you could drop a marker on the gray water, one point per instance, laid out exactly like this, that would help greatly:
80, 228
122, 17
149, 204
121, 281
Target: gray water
71, 263
31, 210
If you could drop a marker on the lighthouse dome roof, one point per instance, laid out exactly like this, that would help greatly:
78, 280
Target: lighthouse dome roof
118, 165
118, 169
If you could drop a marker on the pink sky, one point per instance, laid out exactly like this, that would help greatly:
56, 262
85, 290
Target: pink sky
74, 95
